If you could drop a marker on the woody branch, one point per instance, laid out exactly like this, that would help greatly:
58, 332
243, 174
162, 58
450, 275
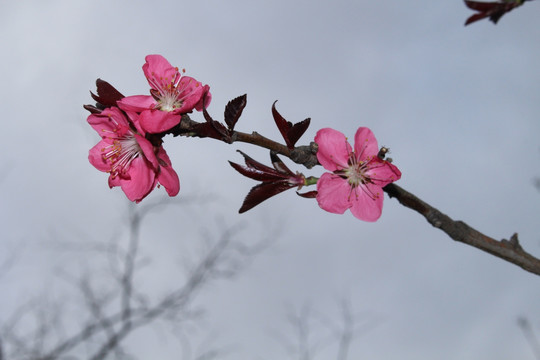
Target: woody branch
509, 250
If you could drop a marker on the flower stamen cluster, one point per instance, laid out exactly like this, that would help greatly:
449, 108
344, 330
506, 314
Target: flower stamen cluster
121, 153
170, 95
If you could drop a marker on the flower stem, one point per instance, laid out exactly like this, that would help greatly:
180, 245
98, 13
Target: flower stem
311, 180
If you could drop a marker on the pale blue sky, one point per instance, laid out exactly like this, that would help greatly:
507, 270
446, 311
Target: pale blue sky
458, 107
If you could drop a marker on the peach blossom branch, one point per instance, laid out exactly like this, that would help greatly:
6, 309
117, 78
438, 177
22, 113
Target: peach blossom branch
509, 250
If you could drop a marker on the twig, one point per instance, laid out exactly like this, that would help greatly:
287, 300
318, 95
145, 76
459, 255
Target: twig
525, 326
129, 265
176, 301
509, 250
303, 155
348, 331
96, 308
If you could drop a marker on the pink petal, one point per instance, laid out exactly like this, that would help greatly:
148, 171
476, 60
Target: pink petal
191, 93
382, 172
148, 150
333, 193
158, 69
157, 121
167, 176
133, 117
206, 96
116, 181
102, 124
141, 180
95, 156
107, 121
365, 144
367, 202
136, 103
334, 149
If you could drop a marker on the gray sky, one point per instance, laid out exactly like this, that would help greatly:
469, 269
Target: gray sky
458, 106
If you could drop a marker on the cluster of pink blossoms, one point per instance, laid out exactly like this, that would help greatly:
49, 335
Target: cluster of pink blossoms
132, 129
131, 147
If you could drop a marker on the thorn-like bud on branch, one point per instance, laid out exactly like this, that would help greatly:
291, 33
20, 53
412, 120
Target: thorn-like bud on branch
513, 242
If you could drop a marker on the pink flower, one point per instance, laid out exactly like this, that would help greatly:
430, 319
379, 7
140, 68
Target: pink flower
132, 161
171, 96
357, 176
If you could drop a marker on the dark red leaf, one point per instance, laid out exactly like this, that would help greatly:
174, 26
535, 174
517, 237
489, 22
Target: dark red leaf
291, 133
279, 165
215, 129
208, 129
234, 109
263, 192
493, 10
481, 6
225, 136
92, 109
282, 125
250, 162
257, 174
107, 95
297, 131
207, 116
475, 17
309, 194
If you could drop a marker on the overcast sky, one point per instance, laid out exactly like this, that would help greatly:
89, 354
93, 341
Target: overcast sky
458, 107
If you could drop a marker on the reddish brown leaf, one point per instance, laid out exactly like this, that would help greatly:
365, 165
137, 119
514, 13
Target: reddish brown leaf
279, 165
291, 133
297, 131
208, 129
481, 6
262, 192
234, 109
107, 95
257, 174
212, 128
92, 109
310, 194
250, 162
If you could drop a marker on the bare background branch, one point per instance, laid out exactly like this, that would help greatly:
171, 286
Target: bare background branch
312, 333
36, 330
530, 336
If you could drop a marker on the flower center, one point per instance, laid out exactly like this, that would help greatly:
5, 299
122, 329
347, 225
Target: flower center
123, 150
170, 93
357, 176
168, 98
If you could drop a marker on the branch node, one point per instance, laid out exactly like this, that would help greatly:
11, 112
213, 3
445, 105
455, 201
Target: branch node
305, 155
513, 242
433, 218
